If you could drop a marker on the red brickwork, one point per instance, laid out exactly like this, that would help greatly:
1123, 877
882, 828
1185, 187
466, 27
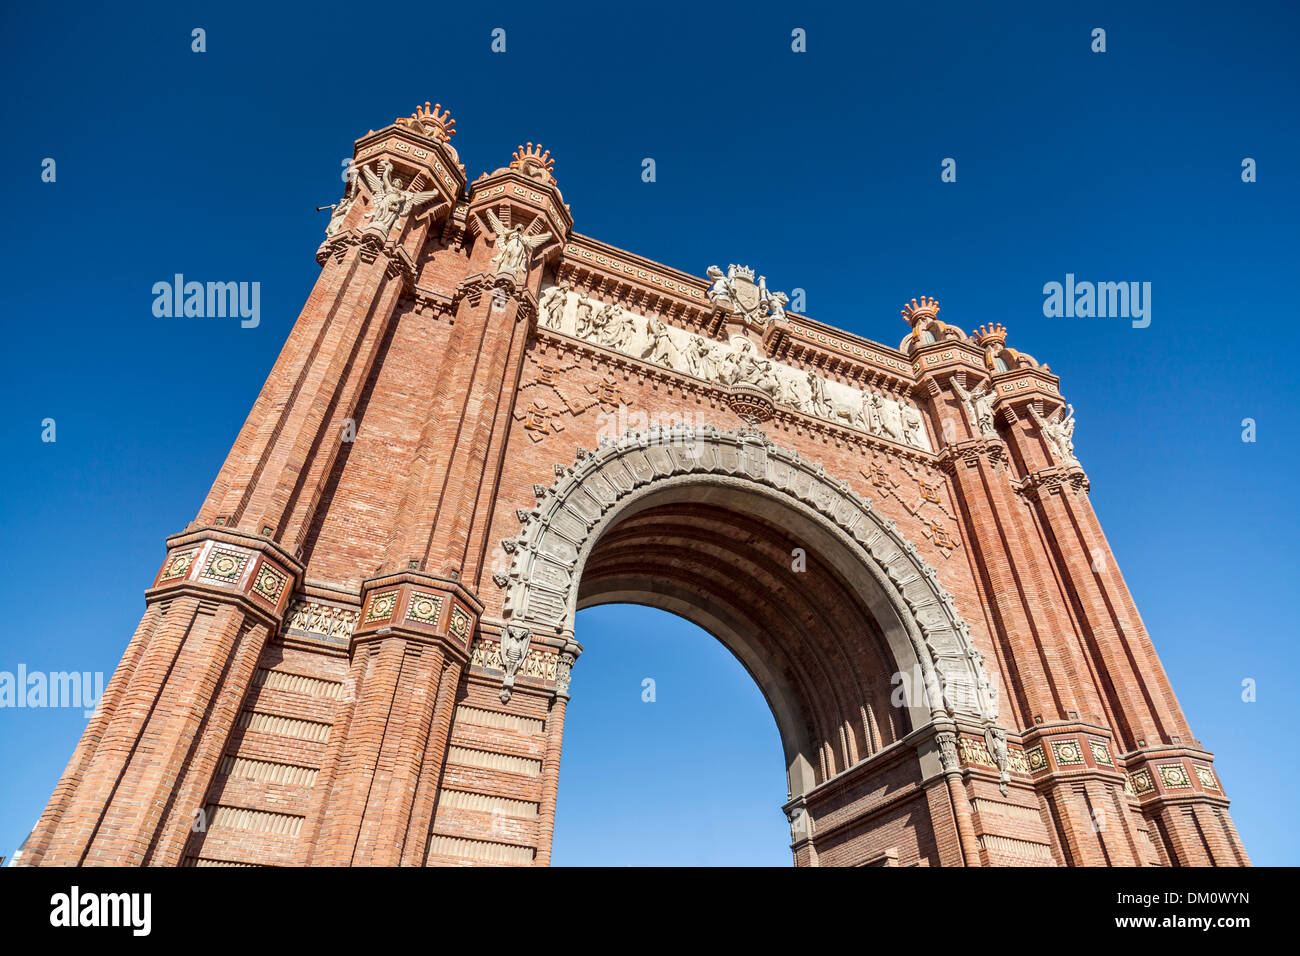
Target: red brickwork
334, 666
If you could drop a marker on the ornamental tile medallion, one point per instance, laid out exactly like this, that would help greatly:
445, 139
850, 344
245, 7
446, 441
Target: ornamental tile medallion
424, 608
269, 583
225, 566
1206, 776
1036, 759
1174, 776
381, 607
1100, 753
179, 565
459, 623
1141, 780
1067, 753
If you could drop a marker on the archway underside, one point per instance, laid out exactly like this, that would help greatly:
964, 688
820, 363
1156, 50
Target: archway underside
812, 647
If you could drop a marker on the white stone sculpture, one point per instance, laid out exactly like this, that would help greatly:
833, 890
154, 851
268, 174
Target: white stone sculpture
552, 304
514, 249
979, 408
388, 200
1059, 432
738, 361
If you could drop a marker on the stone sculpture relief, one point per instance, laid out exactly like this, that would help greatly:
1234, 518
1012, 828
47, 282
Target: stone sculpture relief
1059, 432
514, 649
388, 200
737, 362
514, 249
339, 211
979, 407
736, 291
995, 738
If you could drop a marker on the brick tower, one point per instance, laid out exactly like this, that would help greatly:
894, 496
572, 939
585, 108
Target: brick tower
359, 652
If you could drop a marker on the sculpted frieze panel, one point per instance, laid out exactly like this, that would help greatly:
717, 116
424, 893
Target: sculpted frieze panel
735, 362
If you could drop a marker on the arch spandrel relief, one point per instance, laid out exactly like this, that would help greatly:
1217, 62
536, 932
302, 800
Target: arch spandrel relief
737, 361
546, 558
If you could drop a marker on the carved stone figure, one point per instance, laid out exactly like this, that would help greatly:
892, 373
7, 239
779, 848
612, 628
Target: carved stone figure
1059, 432
339, 211
660, 348
514, 249
514, 651
995, 738
586, 323
701, 360
979, 408
389, 201
913, 428
614, 327
891, 419
817, 402
553, 303
720, 290
773, 302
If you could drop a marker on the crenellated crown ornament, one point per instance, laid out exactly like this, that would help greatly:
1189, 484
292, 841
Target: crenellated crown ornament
991, 336
741, 272
914, 313
534, 162
432, 121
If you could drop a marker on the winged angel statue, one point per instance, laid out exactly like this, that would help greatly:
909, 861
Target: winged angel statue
514, 249
390, 201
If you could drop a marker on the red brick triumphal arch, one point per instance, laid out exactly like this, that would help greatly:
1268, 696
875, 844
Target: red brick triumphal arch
360, 650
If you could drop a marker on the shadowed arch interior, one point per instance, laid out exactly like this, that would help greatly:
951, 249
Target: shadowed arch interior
768, 584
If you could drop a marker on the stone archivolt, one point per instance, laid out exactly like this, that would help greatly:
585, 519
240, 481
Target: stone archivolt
546, 555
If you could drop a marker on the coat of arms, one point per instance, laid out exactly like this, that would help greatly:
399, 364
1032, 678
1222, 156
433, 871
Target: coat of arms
736, 291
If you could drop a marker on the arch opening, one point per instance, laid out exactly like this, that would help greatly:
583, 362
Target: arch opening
769, 585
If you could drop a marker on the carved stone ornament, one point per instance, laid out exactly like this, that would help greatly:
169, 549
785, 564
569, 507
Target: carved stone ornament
563, 673
389, 202
948, 751
514, 250
541, 581
1059, 432
514, 651
737, 292
734, 364
995, 738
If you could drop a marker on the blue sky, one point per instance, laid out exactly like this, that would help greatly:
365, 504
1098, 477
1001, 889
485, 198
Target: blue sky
821, 170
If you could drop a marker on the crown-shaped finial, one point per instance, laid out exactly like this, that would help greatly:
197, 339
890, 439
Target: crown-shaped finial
743, 272
915, 312
988, 336
534, 161
432, 121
